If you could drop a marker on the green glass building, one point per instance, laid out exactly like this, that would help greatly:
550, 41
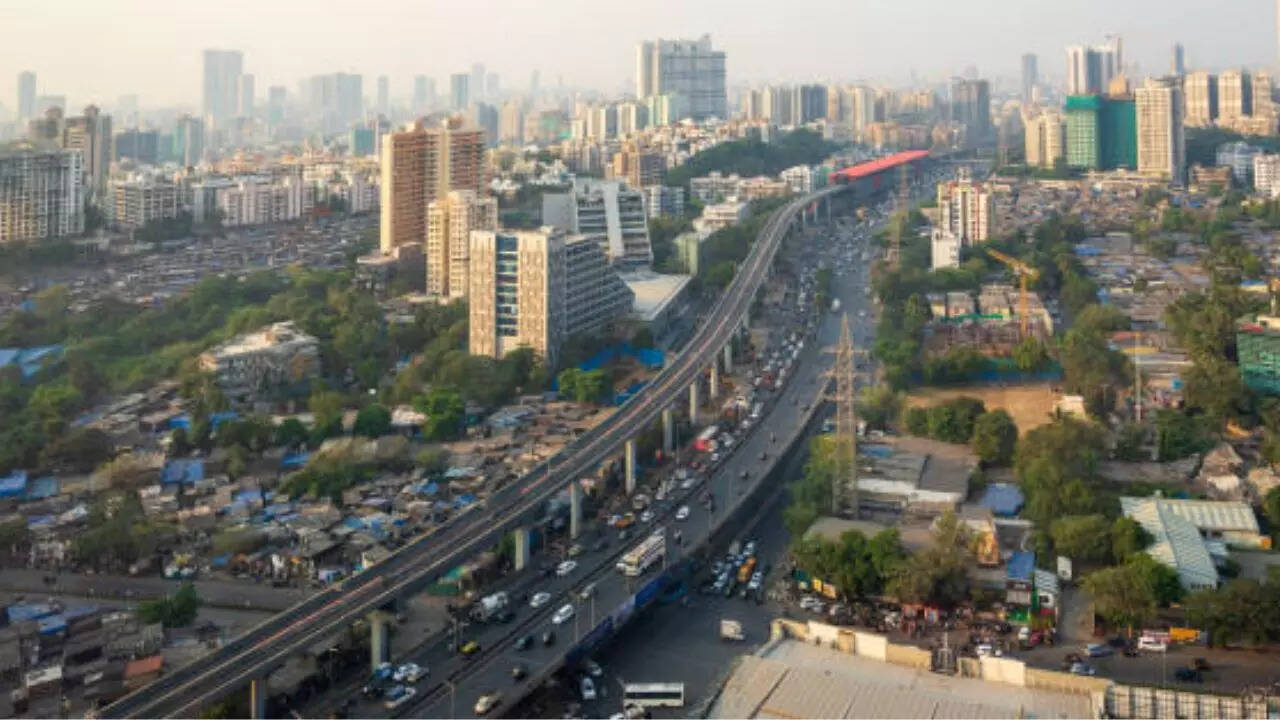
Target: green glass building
1102, 133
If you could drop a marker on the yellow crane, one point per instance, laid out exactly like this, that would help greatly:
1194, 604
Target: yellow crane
1025, 274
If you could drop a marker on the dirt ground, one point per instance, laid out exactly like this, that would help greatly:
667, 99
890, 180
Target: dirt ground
1030, 405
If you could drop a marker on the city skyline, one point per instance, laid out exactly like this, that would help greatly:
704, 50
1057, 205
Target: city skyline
607, 35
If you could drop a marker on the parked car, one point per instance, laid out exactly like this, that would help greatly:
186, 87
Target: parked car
682, 513
398, 695
1082, 669
588, 689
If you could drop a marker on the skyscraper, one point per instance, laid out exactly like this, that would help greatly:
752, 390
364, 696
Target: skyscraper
492, 87
534, 78
1178, 63
384, 95
188, 141
1030, 75
450, 220
689, 68
1090, 69
1161, 142
420, 165
222, 69
1045, 140
459, 91
26, 95
424, 93
40, 194
1201, 90
246, 91
966, 209
91, 135
276, 98
971, 105
1235, 95
476, 84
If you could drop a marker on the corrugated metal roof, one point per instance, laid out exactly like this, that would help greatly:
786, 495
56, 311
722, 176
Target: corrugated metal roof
1176, 543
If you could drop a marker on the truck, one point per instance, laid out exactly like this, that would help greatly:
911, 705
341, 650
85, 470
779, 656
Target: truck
489, 606
731, 630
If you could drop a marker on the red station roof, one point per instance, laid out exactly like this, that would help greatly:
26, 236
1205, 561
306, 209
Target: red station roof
867, 169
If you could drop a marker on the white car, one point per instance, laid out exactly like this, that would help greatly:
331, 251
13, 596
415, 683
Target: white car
409, 672
588, 689
563, 615
398, 696
682, 513
565, 567
646, 516
539, 599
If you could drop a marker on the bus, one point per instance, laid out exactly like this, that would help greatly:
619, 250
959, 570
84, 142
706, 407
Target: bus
653, 694
635, 562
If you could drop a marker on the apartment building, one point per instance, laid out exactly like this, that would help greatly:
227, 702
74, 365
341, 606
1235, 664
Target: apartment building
965, 209
535, 288
1266, 175
420, 165
1235, 95
253, 200
90, 133
1161, 138
258, 362
450, 221
638, 167
1201, 90
1046, 136
663, 200
691, 69
138, 200
609, 210
41, 194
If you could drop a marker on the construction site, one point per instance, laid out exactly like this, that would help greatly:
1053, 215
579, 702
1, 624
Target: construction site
992, 323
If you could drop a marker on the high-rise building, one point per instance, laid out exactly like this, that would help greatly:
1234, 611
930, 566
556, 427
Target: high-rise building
91, 135
966, 209
136, 201
1201, 90
776, 105
222, 70
41, 196
971, 105
1266, 175
459, 91
1178, 61
632, 118
384, 95
808, 103
141, 146
337, 98
277, 95
485, 116
188, 141
637, 166
1161, 140
245, 95
421, 164
1101, 133
689, 68
1030, 76
424, 93
492, 86
26, 96
450, 220
1090, 69
536, 288
1045, 140
476, 82
511, 123
535, 77
1264, 105
1235, 95
608, 210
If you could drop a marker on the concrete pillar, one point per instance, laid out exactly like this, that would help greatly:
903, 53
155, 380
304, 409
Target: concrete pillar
522, 547
668, 431
258, 698
575, 509
629, 455
728, 357
715, 380
379, 644
693, 402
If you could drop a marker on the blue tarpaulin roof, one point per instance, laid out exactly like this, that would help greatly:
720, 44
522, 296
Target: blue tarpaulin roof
426, 488
30, 360
464, 500
1002, 499
183, 472
295, 460
21, 612
52, 625
14, 484
41, 488
1021, 565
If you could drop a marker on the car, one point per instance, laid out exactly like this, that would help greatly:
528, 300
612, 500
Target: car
682, 513
471, 647
549, 638
566, 567
398, 696
1098, 650
525, 642
518, 672
1081, 668
984, 650
563, 615
593, 668
1186, 674
646, 516
749, 549
1151, 644
588, 689
539, 599
486, 703
409, 672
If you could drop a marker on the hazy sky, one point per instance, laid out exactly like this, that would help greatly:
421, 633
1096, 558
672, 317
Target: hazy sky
99, 49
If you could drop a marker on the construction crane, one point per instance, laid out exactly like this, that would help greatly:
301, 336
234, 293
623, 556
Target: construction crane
1025, 274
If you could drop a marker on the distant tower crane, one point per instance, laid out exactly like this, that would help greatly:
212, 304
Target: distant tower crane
1025, 274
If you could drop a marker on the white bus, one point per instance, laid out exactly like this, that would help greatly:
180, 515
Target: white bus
653, 694
634, 563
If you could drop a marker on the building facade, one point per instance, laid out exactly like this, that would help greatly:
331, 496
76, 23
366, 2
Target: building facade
1046, 136
450, 221
1235, 95
258, 363
663, 200
138, 201
517, 292
608, 210
1161, 138
689, 68
1201, 90
421, 164
41, 194
91, 135
222, 70
965, 209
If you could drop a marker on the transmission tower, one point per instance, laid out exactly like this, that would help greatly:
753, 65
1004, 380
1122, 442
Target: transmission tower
845, 483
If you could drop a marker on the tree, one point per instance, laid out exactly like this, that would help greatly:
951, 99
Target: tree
1242, 610
1121, 597
79, 450
291, 433
1178, 435
1058, 468
326, 409
1083, 538
878, 405
720, 275
177, 610
446, 414
433, 461
916, 420
14, 535
372, 421
237, 462
798, 518
643, 338
953, 420
936, 575
1030, 355
994, 437
1091, 369
1128, 538
179, 445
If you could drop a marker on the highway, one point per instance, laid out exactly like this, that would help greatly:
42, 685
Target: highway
254, 654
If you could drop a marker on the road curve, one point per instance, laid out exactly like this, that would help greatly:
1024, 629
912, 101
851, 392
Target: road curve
254, 654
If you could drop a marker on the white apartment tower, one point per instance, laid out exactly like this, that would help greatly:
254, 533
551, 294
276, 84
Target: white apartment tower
41, 194
1045, 140
1201, 92
965, 209
450, 221
1161, 138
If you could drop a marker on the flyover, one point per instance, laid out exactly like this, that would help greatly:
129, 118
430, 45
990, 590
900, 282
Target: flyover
251, 657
